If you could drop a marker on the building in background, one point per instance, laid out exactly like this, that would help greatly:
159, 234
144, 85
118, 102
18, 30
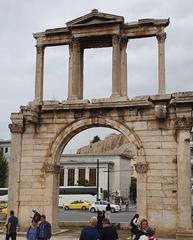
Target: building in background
5, 148
114, 172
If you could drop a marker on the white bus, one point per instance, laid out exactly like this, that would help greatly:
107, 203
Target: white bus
73, 193
3, 194
66, 194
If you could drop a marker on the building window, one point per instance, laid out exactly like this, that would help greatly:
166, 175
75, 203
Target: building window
191, 153
1, 150
6, 150
71, 174
92, 176
61, 181
81, 176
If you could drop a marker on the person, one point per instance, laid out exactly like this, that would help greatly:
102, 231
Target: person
11, 227
90, 232
44, 231
100, 218
149, 234
143, 229
108, 232
134, 225
32, 232
36, 216
108, 211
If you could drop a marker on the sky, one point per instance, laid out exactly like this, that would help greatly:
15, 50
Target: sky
19, 19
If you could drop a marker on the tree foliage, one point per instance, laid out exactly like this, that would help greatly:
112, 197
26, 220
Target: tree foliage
3, 170
96, 139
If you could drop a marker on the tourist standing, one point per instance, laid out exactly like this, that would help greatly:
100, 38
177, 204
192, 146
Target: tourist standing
108, 232
11, 226
90, 232
32, 232
134, 225
108, 211
143, 229
44, 232
36, 215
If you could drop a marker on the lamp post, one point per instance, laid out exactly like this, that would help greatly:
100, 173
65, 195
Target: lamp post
97, 179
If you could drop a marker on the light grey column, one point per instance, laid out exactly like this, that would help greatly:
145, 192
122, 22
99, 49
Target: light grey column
75, 71
76, 176
124, 67
87, 174
39, 73
116, 66
65, 177
161, 63
81, 79
184, 221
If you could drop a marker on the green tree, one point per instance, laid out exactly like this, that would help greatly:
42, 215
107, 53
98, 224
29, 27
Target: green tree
3, 170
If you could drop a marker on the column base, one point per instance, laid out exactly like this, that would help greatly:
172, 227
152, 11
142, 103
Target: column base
184, 235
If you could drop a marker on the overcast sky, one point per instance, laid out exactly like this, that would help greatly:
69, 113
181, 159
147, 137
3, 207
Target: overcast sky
20, 18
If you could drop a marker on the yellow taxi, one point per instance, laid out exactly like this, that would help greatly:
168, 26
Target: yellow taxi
4, 212
3, 204
81, 204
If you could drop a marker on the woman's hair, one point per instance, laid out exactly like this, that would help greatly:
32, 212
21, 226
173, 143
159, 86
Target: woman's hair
142, 221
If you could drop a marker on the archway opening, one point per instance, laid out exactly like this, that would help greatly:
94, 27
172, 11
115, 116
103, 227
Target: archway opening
97, 164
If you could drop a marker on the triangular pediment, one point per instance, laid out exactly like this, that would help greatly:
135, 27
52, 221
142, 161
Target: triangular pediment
95, 17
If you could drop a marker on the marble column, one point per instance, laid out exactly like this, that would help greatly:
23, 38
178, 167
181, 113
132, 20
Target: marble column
39, 73
75, 82
76, 176
123, 87
116, 62
65, 177
161, 62
87, 174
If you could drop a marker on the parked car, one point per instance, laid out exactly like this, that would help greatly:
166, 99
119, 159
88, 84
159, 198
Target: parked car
82, 204
3, 204
4, 212
101, 206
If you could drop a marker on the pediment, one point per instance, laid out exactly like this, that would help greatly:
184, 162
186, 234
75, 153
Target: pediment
93, 18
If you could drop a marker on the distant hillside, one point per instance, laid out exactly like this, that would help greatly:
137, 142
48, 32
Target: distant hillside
112, 144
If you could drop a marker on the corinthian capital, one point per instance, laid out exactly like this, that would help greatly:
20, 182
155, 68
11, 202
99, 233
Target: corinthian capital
40, 49
16, 127
183, 123
51, 168
141, 167
161, 37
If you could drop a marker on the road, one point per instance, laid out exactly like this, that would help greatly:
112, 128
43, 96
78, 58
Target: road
79, 215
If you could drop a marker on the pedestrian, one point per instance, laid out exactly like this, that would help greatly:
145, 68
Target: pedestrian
32, 232
108, 211
44, 232
90, 232
143, 229
100, 218
149, 234
134, 225
11, 226
108, 232
36, 215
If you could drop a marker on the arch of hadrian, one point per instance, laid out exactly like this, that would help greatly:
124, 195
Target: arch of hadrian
158, 126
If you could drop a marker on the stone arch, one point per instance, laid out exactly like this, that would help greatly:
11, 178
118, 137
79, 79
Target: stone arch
64, 135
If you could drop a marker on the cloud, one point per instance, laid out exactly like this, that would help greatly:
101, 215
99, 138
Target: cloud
19, 19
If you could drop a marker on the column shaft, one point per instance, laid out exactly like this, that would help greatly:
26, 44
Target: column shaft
184, 180
116, 66
161, 63
123, 90
39, 73
75, 82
